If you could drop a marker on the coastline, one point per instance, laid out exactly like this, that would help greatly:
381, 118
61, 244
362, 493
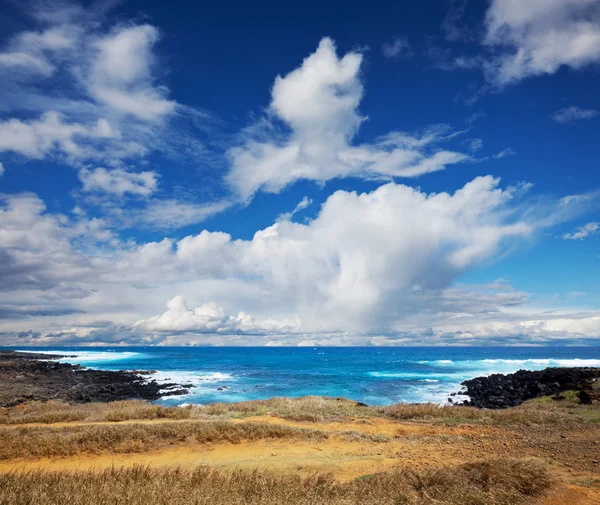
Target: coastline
543, 452
34, 376
375, 376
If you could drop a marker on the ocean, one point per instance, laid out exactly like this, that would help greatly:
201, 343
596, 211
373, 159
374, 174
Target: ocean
373, 375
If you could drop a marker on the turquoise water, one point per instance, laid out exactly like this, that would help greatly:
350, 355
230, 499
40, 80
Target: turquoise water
374, 375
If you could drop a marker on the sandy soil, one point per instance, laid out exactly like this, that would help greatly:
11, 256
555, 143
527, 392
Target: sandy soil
574, 456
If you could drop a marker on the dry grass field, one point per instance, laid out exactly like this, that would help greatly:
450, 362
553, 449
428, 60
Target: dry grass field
500, 482
299, 451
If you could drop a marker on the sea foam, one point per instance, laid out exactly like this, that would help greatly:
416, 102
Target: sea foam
81, 357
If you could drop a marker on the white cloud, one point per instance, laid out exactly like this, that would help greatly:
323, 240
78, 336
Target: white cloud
82, 90
118, 181
27, 61
399, 47
211, 318
573, 114
38, 52
505, 153
86, 81
377, 263
1, 169
115, 67
542, 328
33, 241
319, 102
374, 267
538, 37
53, 136
358, 256
120, 76
583, 231
173, 214
50, 133
302, 204
130, 200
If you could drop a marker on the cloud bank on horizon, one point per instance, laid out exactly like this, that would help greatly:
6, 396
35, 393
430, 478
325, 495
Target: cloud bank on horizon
309, 223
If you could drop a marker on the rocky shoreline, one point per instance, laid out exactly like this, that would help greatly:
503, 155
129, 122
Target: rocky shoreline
30, 376
501, 391
38, 377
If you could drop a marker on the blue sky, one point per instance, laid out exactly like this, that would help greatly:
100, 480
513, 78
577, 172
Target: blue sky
299, 174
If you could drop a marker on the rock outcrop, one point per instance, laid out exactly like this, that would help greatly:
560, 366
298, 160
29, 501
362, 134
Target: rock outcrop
23, 377
500, 391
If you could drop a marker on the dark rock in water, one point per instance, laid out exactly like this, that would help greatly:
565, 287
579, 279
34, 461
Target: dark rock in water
222, 388
500, 391
23, 377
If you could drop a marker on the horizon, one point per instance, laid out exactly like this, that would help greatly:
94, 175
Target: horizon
391, 176
91, 347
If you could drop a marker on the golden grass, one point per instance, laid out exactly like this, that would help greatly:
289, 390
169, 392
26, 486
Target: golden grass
42, 441
323, 409
310, 408
494, 482
63, 412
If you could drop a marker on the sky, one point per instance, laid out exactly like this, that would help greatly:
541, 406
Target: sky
294, 173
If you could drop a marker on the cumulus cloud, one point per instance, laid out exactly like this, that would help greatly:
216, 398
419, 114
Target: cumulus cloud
538, 37
376, 267
210, 318
573, 114
115, 67
364, 266
583, 231
88, 88
118, 181
318, 102
505, 328
120, 75
352, 265
80, 89
52, 134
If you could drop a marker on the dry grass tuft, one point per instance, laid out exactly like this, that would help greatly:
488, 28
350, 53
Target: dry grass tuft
323, 409
496, 482
63, 412
37, 442
309, 408
524, 414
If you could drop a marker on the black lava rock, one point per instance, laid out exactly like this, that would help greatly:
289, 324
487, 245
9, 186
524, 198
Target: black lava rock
24, 377
500, 391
